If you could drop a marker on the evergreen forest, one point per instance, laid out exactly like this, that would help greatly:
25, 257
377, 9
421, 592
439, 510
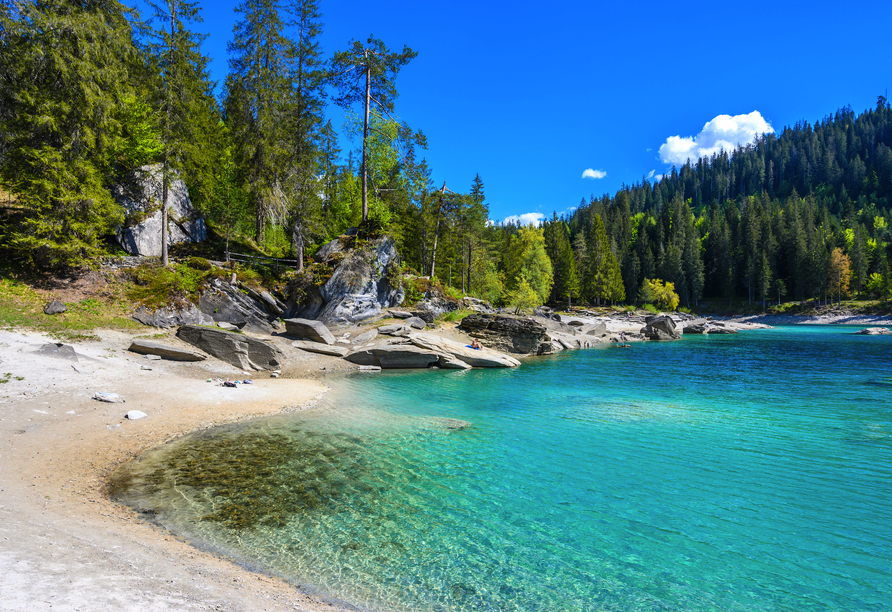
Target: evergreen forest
91, 90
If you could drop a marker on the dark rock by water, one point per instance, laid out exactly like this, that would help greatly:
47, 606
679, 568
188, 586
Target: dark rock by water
660, 327
508, 334
225, 303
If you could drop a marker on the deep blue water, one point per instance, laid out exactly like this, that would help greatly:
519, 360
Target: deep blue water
747, 472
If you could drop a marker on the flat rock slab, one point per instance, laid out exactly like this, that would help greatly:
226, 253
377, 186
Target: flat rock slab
166, 351
311, 330
135, 414
399, 314
242, 351
395, 357
318, 347
477, 358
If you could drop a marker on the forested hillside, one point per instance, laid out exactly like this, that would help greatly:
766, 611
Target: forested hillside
91, 90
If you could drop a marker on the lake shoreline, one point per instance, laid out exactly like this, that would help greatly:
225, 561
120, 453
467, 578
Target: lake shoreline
59, 446
63, 543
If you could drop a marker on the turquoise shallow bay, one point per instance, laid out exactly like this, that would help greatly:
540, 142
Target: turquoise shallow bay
748, 472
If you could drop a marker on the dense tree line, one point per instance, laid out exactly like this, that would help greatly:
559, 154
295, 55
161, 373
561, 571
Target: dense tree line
90, 90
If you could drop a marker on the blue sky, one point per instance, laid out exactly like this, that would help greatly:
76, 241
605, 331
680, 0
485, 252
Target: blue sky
531, 96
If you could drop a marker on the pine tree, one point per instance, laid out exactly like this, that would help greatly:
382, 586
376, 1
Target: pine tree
187, 100
367, 73
64, 69
258, 92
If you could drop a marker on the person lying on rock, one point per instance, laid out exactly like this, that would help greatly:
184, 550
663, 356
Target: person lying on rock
476, 345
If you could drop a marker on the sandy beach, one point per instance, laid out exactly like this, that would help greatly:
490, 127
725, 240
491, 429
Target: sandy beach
63, 544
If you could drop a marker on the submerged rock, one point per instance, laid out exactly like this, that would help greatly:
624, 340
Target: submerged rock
874, 331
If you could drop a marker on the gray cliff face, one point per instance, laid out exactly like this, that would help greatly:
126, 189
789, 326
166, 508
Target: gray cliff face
360, 287
141, 196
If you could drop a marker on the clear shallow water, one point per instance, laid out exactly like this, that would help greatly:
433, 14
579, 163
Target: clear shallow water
748, 472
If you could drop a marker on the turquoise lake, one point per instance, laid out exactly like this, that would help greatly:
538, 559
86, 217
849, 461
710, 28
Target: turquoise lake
738, 472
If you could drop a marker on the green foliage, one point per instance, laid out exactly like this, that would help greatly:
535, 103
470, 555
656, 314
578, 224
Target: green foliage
155, 285
59, 95
141, 140
660, 293
456, 315
527, 263
523, 298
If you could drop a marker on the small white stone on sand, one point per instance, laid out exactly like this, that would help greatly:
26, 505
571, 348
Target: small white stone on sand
153, 357
135, 414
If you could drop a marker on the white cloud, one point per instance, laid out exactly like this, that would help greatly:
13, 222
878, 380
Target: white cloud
658, 177
593, 174
651, 173
723, 132
649, 150
534, 219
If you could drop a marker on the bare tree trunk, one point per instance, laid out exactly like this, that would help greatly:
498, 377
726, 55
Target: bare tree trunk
297, 239
470, 245
365, 139
165, 170
436, 237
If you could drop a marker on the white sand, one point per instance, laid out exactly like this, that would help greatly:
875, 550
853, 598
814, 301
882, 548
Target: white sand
63, 544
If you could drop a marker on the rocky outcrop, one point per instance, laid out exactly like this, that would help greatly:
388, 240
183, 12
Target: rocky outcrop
141, 196
432, 307
322, 349
314, 331
239, 350
224, 303
660, 327
477, 358
172, 317
362, 285
365, 337
874, 331
165, 351
508, 334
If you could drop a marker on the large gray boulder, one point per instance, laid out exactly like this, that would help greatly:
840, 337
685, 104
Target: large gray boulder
315, 331
140, 193
166, 351
509, 334
362, 286
239, 350
172, 317
660, 327
395, 357
874, 331
224, 303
